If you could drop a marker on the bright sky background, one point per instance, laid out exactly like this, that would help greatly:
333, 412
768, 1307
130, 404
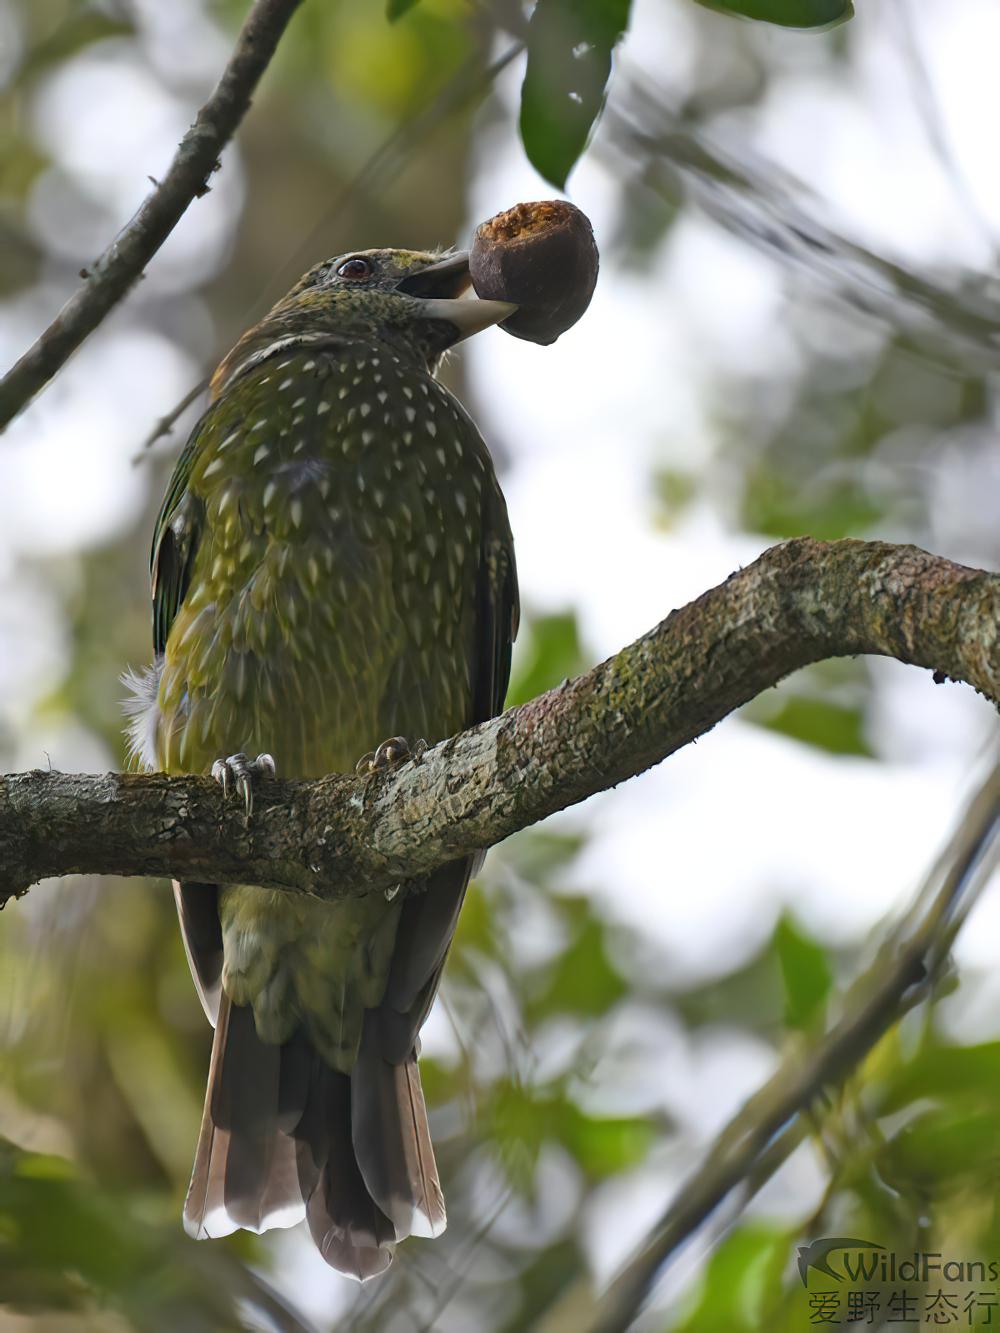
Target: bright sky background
706, 850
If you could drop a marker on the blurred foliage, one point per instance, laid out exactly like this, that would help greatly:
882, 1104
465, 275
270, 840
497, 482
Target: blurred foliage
825, 706
805, 972
549, 653
560, 1027
788, 13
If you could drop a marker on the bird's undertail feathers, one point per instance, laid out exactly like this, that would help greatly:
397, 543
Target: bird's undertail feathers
284, 1137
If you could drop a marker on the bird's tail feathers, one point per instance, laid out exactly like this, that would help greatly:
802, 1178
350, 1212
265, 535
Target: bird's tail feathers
283, 1137
391, 1139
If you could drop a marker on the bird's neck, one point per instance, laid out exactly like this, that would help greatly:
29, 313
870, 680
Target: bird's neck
274, 338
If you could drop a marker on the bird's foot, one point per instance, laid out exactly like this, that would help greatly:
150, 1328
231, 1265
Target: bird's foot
389, 754
241, 773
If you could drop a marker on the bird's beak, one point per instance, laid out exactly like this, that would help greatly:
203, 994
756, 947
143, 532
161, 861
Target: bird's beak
444, 290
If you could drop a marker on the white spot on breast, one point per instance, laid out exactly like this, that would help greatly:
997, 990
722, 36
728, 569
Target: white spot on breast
365, 409
367, 436
432, 430
407, 391
343, 391
430, 541
213, 467
261, 451
287, 382
379, 497
298, 402
407, 436
309, 365
323, 407
410, 413
382, 396
296, 511
460, 500
441, 456
233, 435
270, 491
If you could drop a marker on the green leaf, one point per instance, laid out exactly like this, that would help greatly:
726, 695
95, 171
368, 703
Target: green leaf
537, 853
833, 727
395, 9
971, 1072
777, 504
747, 1264
805, 972
582, 980
940, 1148
787, 13
524, 1119
552, 653
569, 63
604, 1145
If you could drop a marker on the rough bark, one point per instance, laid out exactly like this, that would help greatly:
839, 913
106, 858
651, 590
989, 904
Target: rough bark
342, 835
187, 178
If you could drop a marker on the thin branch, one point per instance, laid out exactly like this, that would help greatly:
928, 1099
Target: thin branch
798, 603
187, 178
909, 958
758, 202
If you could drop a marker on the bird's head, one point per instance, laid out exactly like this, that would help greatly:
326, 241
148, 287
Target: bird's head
419, 302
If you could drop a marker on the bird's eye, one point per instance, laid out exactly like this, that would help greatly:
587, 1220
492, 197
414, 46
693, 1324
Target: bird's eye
356, 268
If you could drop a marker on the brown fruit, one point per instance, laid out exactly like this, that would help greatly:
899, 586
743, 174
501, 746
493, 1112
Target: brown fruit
543, 257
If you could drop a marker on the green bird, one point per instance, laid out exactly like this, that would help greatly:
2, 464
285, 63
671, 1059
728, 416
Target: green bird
332, 565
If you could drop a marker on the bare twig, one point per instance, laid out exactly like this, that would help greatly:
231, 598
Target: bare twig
798, 603
758, 202
471, 81
877, 999
187, 178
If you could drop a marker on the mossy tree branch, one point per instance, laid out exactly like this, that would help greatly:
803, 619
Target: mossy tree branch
343, 835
